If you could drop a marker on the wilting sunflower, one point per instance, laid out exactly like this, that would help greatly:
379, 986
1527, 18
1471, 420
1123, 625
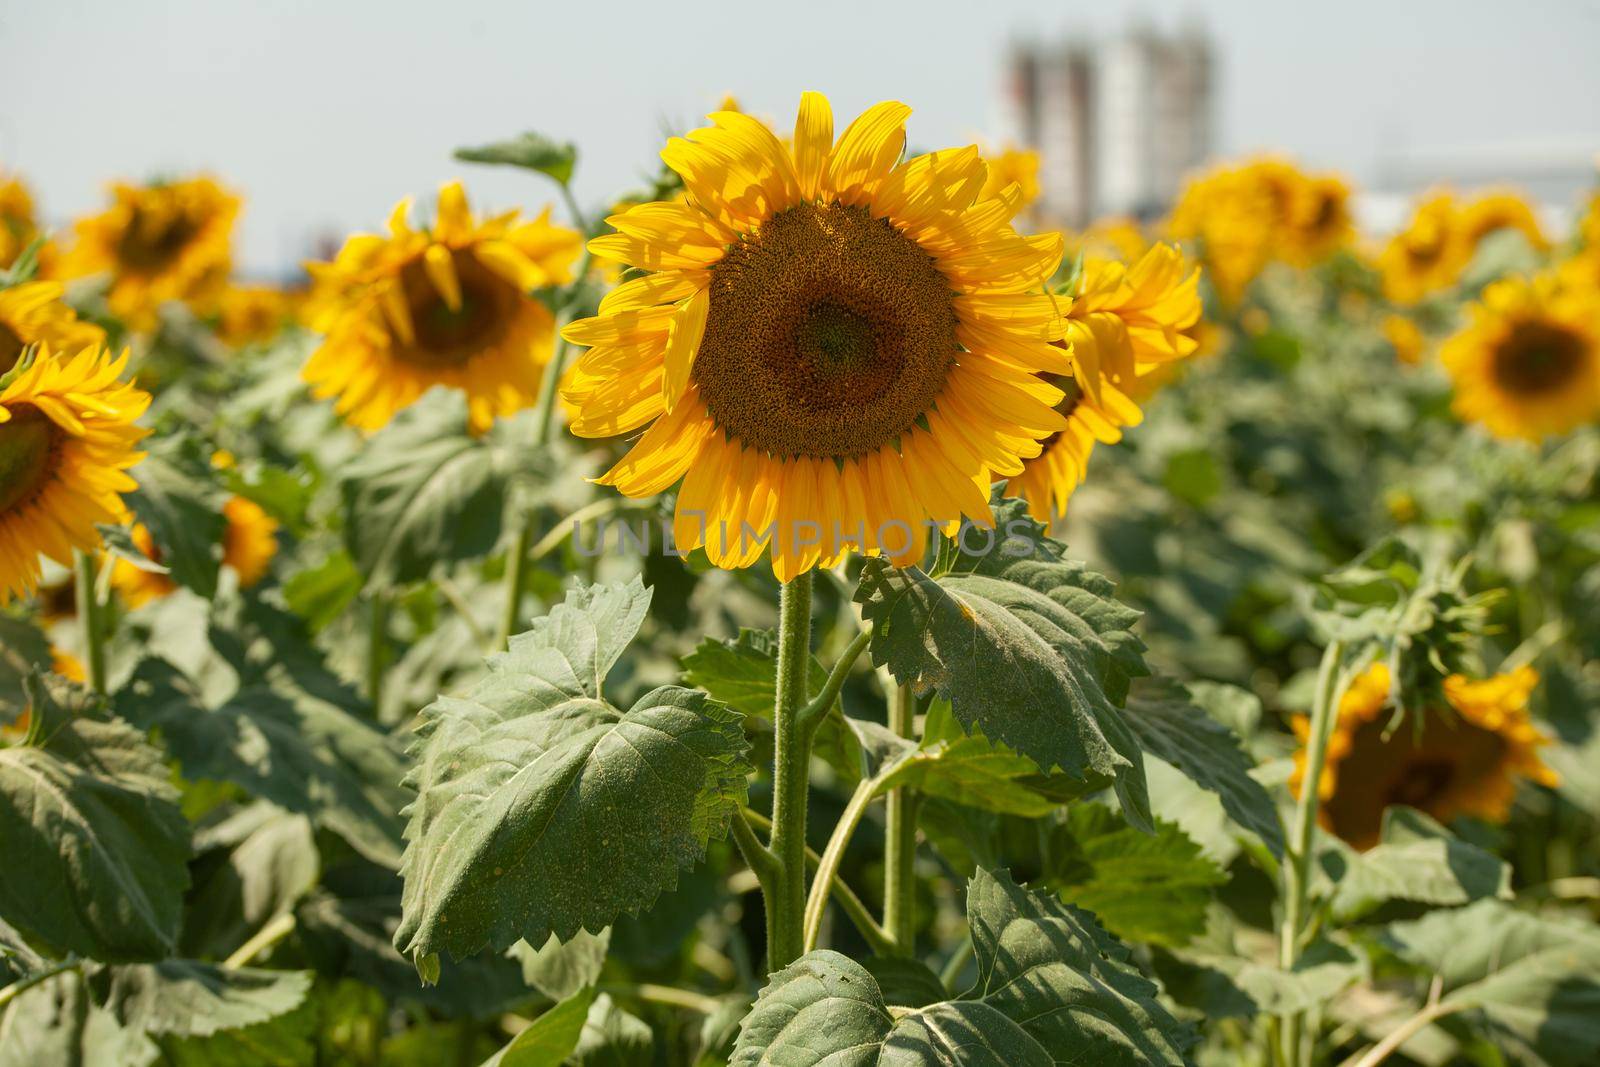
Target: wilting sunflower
1125, 329
832, 345
249, 541
18, 224
34, 313
1013, 166
1428, 255
1405, 338
158, 242
1461, 758
1528, 362
1501, 210
67, 439
252, 314
448, 305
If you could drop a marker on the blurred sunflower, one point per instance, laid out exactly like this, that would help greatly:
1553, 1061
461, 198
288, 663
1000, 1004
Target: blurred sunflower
253, 314
66, 664
249, 541
158, 242
1013, 166
18, 223
1126, 328
1231, 215
1501, 210
1404, 337
67, 439
1318, 220
835, 346
1118, 237
447, 305
1589, 224
1462, 758
1428, 255
1528, 362
34, 313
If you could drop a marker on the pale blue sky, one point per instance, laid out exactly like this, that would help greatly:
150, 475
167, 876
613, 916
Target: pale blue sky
325, 113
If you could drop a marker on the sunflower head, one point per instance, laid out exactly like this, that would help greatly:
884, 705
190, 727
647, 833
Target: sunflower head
1405, 338
831, 346
1528, 362
253, 314
1118, 237
67, 439
1013, 166
1319, 220
137, 585
34, 313
450, 304
1428, 255
18, 224
249, 540
1462, 756
1501, 210
159, 242
1232, 215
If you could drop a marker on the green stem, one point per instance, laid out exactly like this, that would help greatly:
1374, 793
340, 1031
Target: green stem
850, 902
93, 622
819, 705
663, 994
1403, 1033
832, 855
516, 571
791, 760
900, 848
280, 927
22, 985
377, 649
1297, 863
956, 964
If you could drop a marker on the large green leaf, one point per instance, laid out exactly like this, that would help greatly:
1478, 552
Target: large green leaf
1532, 982
558, 969
1028, 646
188, 998
613, 1038
424, 491
1174, 730
95, 845
531, 151
57, 1023
1052, 987
180, 502
23, 650
549, 1039
1416, 859
1142, 887
254, 865
542, 808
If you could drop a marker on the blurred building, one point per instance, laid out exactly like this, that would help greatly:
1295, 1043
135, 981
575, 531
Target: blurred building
1117, 122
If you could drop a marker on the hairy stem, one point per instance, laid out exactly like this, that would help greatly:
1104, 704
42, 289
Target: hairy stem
22, 985
377, 649
850, 902
662, 994
900, 847
91, 617
819, 705
1297, 863
832, 855
791, 760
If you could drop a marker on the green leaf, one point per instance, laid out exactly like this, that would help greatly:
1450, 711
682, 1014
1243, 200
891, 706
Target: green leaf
966, 769
531, 151
1416, 859
57, 1023
1142, 887
1171, 728
23, 650
179, 501
320, 594
254, 865
1028, 647
1049, 980
423, 491
549, 1039
559, 969
743, 674
192, 999
87, 810
1533, 983
613, 1038
285, 1040
304, 753
542, 808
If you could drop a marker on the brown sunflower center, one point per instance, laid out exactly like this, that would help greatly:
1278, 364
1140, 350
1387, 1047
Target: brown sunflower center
1538, 357
28, 457
1072, 396
153, 239
449, 336
10, 347
829, 333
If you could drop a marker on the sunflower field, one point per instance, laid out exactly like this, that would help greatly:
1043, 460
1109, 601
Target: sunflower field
810, 611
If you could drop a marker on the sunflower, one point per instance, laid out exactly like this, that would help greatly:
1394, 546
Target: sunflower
1463, 757
1501, 210
252, 314
34, 313
18, 223
159, 242
249, 541
448, 305
1013, 166
1118, 237
1428, 255
833, 347
1126, 329
1232, 214
1319, 220
66, 664
67, 438
1589, 224
1405, 338
1528, 362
